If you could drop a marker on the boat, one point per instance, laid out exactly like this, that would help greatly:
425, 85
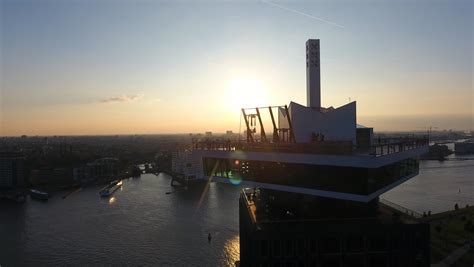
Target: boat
110, 188
37, 194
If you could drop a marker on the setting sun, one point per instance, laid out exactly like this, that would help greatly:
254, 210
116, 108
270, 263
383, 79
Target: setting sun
246, 92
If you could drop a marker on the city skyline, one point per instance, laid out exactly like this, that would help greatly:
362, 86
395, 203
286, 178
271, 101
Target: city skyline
177, 67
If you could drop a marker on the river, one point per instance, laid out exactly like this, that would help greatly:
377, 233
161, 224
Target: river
438, 187
140, 225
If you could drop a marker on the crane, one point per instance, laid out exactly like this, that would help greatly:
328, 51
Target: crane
429, 128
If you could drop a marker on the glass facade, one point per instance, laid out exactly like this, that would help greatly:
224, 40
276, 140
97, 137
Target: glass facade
353, 180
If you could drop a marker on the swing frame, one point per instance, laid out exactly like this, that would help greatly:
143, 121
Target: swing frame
280, 135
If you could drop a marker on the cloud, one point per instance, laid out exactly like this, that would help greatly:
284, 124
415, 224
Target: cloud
121, 99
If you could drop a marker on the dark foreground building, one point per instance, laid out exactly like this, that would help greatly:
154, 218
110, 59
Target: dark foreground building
287, 229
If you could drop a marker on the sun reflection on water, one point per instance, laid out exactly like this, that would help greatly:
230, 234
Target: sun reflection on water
232, 250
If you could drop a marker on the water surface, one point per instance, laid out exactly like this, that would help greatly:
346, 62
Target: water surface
139, 225
439, 186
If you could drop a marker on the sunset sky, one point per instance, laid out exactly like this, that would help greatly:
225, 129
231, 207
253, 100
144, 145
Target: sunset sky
133, 67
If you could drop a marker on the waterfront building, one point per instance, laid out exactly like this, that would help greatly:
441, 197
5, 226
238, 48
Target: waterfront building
12, 170
466, 147
51, 176
316, 177
103, 169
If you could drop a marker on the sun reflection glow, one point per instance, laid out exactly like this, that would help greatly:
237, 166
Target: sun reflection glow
232, 250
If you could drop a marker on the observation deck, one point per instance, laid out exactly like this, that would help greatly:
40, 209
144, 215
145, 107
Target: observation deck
334, 169
382, 147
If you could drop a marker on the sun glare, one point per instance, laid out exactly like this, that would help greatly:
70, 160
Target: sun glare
246, 92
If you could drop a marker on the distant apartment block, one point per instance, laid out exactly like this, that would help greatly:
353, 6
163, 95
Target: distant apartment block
12, 173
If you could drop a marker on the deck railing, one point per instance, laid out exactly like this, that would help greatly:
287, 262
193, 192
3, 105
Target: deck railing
379, 147
386, 146
400, 208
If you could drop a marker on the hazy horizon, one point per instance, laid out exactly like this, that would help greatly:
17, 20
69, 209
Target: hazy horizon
99, 67
380, 124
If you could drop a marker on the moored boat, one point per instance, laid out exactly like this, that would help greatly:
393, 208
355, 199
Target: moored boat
37, 194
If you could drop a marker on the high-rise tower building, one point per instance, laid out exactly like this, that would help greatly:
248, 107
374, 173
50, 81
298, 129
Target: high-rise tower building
315, 178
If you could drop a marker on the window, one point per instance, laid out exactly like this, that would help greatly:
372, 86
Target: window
264, 248
354, 261
300, 247
312, 246
276, 248
354, 243
289, 247
378, 243
330, 245
378, 260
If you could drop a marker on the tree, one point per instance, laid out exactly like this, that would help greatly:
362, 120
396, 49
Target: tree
456, 207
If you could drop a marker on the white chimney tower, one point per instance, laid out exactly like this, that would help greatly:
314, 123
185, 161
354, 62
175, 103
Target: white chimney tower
313, 74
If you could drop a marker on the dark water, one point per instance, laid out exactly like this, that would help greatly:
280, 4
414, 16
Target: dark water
139, 225
142, 225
